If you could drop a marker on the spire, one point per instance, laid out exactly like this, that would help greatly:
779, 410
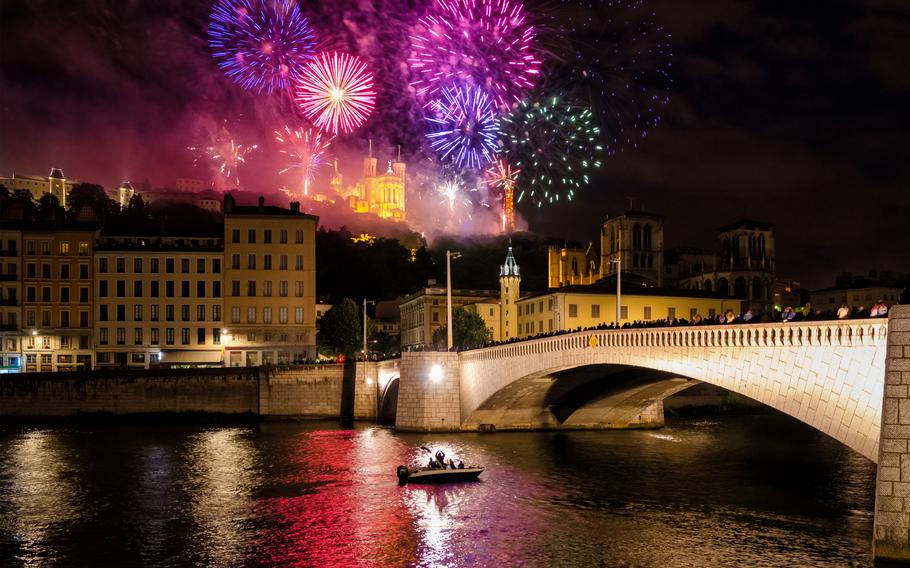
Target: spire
399, 152
371, 148
510, 268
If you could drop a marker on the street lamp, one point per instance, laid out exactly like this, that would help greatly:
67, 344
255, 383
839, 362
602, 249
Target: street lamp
365, 302
449, 256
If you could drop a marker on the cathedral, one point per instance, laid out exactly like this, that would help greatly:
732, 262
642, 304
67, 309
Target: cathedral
379, 194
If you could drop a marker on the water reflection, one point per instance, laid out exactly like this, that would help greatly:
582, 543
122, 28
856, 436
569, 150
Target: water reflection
44, 493
221, 476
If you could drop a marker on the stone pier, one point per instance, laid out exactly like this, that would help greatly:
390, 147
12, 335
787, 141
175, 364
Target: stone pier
429, 396
891, 539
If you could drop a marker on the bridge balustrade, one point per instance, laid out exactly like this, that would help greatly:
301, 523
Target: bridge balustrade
840, 333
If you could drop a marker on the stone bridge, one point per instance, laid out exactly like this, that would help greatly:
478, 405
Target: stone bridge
848, 379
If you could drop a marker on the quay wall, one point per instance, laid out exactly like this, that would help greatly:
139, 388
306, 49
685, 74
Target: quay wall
305, 391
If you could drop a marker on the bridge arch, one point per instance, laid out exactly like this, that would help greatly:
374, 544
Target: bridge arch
829, 375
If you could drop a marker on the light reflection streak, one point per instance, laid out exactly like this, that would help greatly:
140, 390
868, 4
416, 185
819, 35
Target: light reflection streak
45, 493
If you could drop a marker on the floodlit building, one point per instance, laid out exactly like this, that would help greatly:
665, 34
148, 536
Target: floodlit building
424, 312
636, 239
856, 292
10, 297
158, 298
380, 194
270, 274
55, 183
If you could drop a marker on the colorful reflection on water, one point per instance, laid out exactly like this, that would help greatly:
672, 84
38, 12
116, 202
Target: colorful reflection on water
759, 490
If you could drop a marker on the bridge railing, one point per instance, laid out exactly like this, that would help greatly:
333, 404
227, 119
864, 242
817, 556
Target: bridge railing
850, 333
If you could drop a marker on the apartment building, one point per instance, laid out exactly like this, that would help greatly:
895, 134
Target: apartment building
10, 297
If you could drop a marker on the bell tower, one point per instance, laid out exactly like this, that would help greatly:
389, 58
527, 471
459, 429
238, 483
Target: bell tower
509, 292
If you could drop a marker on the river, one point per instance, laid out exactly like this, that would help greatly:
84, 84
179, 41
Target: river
733, 490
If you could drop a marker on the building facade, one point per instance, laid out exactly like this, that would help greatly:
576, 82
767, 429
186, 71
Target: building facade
270, 274
10, 297
424, 312
159, 300
634, 239
55, 183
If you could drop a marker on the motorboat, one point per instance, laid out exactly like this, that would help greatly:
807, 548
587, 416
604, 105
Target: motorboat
437, 475
438, 471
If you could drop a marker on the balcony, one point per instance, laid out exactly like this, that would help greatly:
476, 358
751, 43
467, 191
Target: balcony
9, 253
9, 277
8, 302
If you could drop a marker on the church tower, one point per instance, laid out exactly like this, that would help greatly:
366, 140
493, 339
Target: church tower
335, 182
57, 185
125, 193
509, 292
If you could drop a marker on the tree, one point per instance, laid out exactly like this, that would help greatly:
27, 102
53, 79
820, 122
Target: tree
48, 205
341, 329
93, 195
469, 330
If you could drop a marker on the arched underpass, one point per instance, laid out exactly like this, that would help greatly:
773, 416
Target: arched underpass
593, 396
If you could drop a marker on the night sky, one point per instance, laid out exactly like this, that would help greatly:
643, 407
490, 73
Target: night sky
788, 112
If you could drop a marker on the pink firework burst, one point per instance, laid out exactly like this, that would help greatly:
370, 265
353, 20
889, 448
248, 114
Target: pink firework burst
485, 42
335, 92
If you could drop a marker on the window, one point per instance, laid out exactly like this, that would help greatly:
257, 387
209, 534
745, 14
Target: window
624, 312
251, 236
235, 288
154, 312
647, 311
235, 235
251, 288
30, 270
283, 262
102, 336
267, 236
30, 318
267, 288
200, 312
595, 311
282, 315
216, 289
121, 335
298, 315
298, 289
46, 295
200, 289
671, 313
154, 336
121, 312
200, 336
83, 294
83, 272
30, 294
137, 289
45, 271
185, 336
235, 314
169, 336
169, 312
137, 336
267, 262
64, 294
573, 310
251, 262
216, 266
83, 248
121, 265
102, 265
137, 265
200, 265
185, 289
235, 261
185, 265
299, 237
121, 288
169, 265
216, 313
64, 249
216, 335
283, 288
298, 262
185, 312
283, 236
266, 315
137, 312
251, 315
169, 288
153, 265
102, 312
137, 357
64, 319
154, 290
64, 271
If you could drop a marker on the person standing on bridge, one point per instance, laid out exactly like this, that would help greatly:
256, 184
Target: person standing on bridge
843, 312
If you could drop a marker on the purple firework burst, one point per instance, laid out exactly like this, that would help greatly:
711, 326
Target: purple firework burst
463, 126
261, 44
482, 42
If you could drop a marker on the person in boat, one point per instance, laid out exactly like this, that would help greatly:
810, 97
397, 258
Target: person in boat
441, 459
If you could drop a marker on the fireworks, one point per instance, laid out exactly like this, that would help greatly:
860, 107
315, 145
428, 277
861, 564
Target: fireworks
335, 91
227, 155
463, 127
502, 175
556, 145
488, 43
307, 150
260, 44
